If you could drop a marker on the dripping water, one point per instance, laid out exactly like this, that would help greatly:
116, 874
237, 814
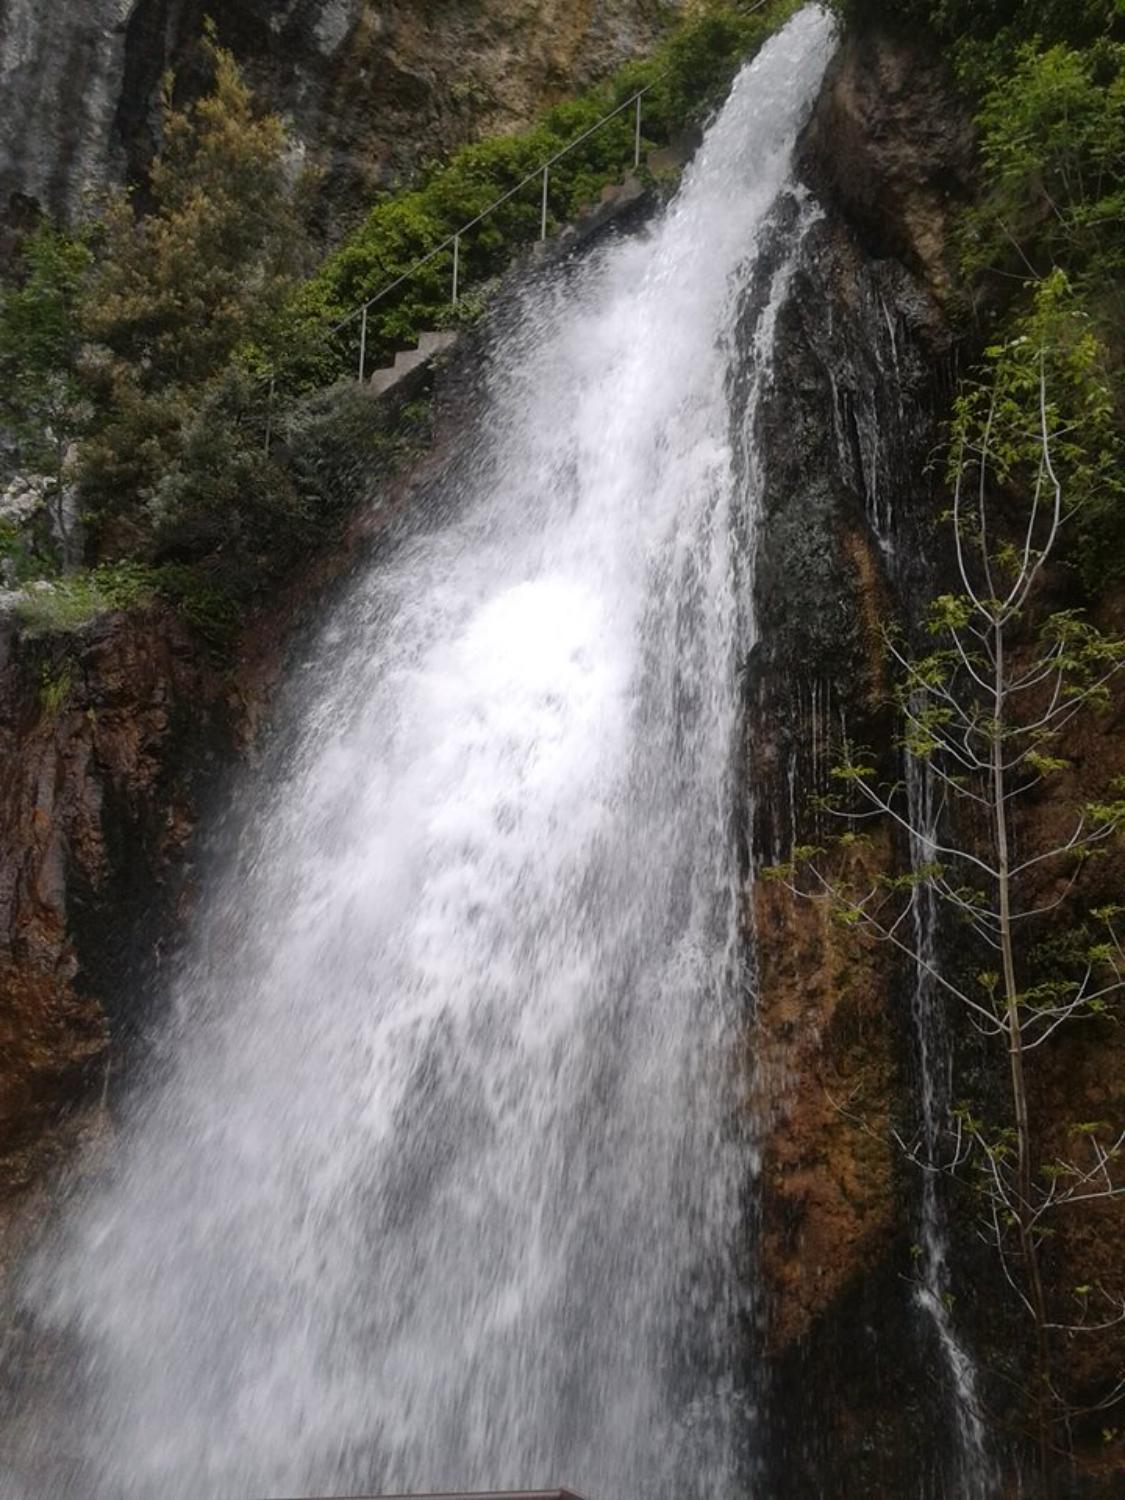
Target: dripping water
976, 1474
439, 1187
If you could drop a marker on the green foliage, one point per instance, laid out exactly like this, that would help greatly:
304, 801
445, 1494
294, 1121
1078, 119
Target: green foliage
982, 35
688, 74
20, 556
1043, 412
1046, 233
243, 514
43, 405
176, 302
67, 604
55, 686
222, 495
150, 340
1053, 167
40, 398
177, 292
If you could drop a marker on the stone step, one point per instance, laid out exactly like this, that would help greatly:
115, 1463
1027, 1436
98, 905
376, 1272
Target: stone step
409, 359
614, 195
430, 344
436, 342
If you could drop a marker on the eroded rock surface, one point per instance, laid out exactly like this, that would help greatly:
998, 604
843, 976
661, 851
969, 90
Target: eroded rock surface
371, 88
890, 146
862, 367
852, 536
106, 737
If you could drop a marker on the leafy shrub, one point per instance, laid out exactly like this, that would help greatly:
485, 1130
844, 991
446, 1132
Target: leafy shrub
67, 604
1053, 166
1044, 407
688, 74
151, 342
44, 408
968, 23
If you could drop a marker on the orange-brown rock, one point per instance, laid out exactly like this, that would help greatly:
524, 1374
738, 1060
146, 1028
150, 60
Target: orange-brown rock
824, 1073
104, 734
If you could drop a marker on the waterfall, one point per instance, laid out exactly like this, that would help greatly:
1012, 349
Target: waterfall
439, 1185
976, 1476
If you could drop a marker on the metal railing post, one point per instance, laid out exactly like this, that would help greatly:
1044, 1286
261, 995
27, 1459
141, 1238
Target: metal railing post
363, 342
544, 171
269, 413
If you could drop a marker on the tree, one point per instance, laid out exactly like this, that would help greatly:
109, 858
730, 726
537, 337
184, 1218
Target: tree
184, 292
44, 408
180, 290
986, 714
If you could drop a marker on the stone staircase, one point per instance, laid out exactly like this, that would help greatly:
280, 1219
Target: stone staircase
612, 199
407, 361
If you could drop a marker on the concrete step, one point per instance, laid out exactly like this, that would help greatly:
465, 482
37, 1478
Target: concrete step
409, 359
430, 344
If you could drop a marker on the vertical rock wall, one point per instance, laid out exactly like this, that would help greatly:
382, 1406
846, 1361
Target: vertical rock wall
863, 375
371, 88
106, 737
853, 535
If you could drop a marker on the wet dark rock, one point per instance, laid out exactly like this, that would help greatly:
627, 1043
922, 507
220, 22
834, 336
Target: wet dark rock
891, 147
847, 540
107, 736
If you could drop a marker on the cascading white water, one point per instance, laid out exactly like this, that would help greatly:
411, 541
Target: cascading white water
441, 1186
977, 1477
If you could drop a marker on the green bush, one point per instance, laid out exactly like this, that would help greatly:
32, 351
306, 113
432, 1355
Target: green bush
967, 23
1042, 411
191, 362
1053, 167
689, 74
240, 515
67, 604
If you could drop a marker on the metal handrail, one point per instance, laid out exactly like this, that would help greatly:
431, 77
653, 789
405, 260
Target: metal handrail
539, 171
542, 170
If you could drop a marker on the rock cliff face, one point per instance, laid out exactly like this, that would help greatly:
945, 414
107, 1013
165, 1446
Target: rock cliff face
370, 87
861, 374
851, 535
105, 743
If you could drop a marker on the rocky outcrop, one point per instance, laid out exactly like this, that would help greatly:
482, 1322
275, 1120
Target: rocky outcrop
861, 372
107, 737
852, 535
863, 375
371, 88
890, 146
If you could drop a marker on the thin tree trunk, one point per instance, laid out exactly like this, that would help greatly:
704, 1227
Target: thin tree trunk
1028, 1250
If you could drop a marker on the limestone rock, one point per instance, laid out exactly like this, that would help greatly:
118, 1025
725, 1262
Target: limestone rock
371, 88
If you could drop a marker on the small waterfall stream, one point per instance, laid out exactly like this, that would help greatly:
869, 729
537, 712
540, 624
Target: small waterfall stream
976, 1477
440, 1185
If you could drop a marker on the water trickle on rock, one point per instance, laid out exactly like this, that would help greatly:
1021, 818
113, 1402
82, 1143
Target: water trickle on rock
976, 1472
